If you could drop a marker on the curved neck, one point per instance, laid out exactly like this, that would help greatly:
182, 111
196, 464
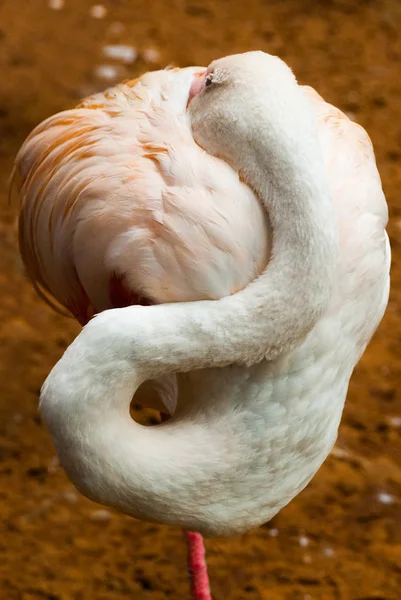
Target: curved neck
276, 152
167, 473
209, 469
286, 301
283, 164
273, 314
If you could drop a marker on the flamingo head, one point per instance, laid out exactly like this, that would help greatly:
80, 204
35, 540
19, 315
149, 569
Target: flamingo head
240, 99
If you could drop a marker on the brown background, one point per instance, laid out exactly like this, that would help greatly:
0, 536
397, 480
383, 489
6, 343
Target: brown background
339, 539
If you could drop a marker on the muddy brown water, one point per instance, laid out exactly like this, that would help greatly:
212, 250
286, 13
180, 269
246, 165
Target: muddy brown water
341, 538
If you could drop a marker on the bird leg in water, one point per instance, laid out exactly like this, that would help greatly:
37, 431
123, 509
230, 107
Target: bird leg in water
197, 566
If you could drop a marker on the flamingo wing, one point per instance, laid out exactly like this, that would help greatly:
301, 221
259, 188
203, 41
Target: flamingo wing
361, 211
120, 206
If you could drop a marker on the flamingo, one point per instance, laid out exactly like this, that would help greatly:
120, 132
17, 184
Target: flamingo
219, 233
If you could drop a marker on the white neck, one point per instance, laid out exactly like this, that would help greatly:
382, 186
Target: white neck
273, 314
287, 300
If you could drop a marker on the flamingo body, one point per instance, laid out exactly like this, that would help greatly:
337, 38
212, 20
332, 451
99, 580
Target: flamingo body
118, 188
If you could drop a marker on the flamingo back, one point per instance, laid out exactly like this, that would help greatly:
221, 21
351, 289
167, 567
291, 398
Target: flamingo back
119, 205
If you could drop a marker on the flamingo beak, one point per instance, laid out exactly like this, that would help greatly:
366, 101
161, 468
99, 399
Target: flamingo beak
197, 85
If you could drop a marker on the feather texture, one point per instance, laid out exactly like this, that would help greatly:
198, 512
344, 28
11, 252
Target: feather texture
117, 190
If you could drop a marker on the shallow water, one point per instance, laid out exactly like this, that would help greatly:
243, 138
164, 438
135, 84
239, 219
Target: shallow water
341, 538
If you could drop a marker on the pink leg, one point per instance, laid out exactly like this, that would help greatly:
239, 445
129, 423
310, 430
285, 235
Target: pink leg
197, 566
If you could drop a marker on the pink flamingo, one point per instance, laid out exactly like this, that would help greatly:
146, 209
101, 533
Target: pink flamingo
236, 224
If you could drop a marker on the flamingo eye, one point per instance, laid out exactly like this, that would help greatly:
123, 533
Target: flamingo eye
209, 80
